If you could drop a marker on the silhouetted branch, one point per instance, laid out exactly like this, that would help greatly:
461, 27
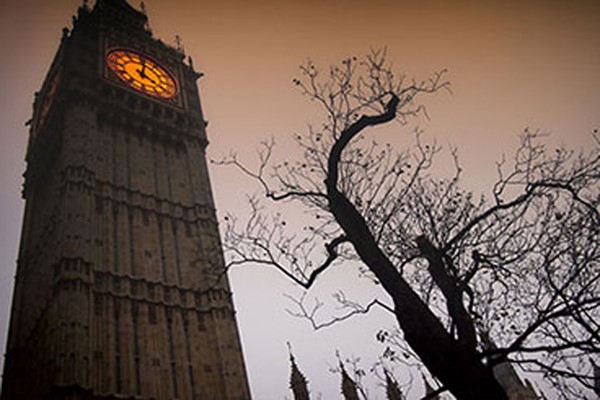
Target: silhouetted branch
355, 309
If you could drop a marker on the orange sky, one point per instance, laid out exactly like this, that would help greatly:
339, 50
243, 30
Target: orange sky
512, 64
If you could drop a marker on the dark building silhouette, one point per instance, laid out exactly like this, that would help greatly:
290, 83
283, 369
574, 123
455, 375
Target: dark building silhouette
120, 291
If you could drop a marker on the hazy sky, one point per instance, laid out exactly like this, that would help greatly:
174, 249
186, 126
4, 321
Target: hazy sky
513, 64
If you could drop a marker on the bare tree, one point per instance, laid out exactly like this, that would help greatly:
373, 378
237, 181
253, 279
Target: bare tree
472, 282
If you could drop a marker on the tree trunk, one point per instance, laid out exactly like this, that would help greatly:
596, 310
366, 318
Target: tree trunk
456, 366
454, 363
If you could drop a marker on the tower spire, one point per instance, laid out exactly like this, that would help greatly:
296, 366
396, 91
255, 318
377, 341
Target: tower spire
179, 44
298, 382
349, 387
125, 12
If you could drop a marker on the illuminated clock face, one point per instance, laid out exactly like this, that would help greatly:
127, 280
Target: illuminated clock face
142, 73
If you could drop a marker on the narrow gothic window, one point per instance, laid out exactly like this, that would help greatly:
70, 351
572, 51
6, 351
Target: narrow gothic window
98, 305
152, 314
201, 324
151, 291
99, 205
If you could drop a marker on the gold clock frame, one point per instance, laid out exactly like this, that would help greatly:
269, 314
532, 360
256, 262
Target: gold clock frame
142, 73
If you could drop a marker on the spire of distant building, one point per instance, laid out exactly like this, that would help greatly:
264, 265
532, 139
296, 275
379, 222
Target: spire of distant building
349, 387
298, 382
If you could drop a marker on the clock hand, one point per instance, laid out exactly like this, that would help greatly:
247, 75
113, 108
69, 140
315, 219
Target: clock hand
150, 79
142, 72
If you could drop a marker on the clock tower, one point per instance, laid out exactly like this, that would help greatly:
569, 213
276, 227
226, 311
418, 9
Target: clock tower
120, 291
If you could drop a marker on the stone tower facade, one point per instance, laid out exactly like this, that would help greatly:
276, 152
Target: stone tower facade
120, 290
